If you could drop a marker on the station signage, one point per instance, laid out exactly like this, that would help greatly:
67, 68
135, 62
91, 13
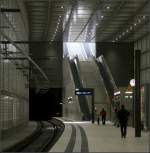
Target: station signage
83, 91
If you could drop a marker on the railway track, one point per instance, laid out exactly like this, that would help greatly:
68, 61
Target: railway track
46, 135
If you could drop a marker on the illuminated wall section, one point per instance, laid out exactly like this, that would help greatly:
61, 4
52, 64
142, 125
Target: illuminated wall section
84, 51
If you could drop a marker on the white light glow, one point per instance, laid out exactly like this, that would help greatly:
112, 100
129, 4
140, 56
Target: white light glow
108, 7
132, 82
84, 51
76, 122
6, 61
117, 93
128, 92
80, 11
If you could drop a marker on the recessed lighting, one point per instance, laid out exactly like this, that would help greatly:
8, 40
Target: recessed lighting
62, 7
108, 7
60, 16
134, 24
127, 31
139, 21
144, 16
102, 16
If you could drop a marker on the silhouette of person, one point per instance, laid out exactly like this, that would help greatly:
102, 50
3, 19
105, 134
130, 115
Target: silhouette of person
123, 116
116, 122
103, 115
98, 119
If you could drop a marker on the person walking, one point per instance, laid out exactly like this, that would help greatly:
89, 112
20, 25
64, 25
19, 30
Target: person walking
123, 116
103, 115
98, 119
116, 122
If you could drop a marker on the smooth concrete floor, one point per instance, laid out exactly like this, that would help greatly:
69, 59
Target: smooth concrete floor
102, 138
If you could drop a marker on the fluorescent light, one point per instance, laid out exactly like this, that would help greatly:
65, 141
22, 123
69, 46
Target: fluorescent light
117, 93
80, 122
128, 92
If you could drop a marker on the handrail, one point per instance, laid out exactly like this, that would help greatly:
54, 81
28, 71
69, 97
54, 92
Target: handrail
102, 60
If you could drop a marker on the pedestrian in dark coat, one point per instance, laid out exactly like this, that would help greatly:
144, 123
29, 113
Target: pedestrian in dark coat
123, 116
103, 115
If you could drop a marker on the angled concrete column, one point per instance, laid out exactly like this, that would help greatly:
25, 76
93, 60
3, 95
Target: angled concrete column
137, 102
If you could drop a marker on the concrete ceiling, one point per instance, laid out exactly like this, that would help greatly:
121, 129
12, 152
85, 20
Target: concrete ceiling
87, 20
82, 21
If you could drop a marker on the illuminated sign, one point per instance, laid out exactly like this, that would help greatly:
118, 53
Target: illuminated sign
83, 91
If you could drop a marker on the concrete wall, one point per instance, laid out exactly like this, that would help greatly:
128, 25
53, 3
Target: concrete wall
70, 110
120, 59
49, 58
14, 92
143, 44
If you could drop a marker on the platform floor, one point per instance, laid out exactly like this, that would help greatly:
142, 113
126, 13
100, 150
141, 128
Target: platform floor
18, 135
87, 137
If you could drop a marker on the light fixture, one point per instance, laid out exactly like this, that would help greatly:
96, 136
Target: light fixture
117, 93
134, 24
108, 7
144, 16
127, 31
102, 16
62, 7
139, 21
132, 82
128, 92
131, 28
